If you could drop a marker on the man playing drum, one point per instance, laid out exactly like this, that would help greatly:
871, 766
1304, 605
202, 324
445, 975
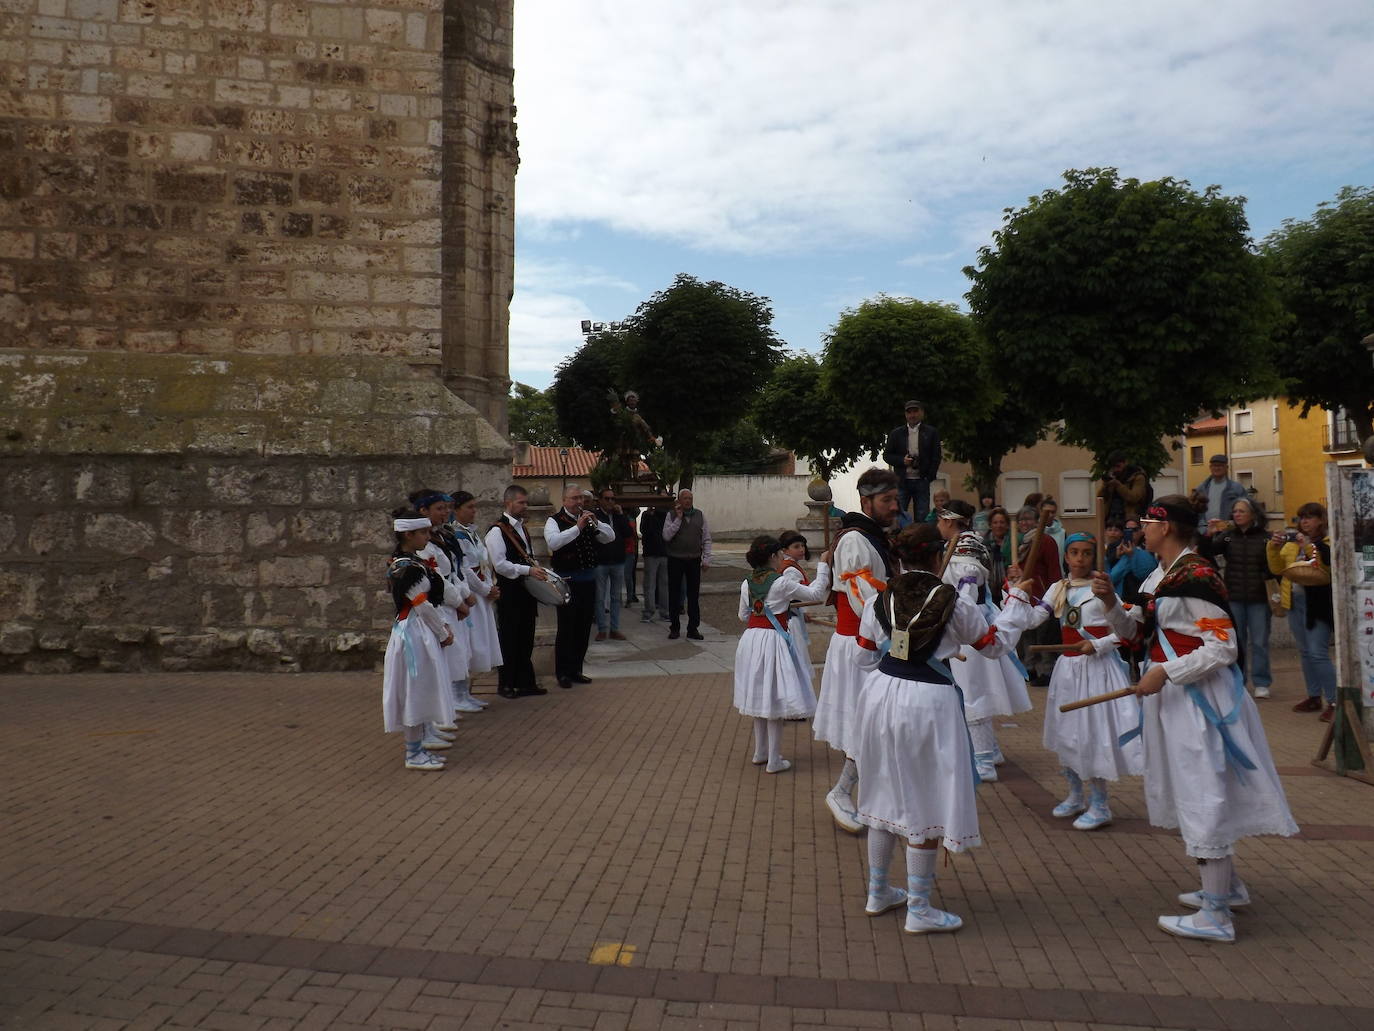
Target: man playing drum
508, 544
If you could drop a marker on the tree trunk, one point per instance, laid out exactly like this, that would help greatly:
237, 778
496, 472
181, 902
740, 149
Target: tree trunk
986, 471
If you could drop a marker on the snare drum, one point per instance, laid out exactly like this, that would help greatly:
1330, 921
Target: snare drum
553, 591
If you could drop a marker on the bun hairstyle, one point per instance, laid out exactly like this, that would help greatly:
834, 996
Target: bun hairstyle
763, 548
790, 537
1179, 512
918, 545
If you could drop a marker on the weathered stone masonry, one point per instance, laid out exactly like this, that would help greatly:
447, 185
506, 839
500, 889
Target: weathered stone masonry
243, 245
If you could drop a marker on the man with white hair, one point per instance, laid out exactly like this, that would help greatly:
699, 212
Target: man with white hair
688, 541
574, 537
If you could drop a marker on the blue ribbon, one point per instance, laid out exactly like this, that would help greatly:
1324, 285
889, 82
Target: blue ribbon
402, 627
796, 659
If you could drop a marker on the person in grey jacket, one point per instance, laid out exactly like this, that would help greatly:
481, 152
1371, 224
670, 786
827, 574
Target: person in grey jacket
1242, 545
1219, 494
687, 540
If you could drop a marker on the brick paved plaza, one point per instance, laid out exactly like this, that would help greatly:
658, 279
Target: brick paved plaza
238, 851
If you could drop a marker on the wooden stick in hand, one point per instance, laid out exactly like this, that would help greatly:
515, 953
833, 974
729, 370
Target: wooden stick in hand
1097, 699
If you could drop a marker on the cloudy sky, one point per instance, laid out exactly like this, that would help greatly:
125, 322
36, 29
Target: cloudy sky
819, 152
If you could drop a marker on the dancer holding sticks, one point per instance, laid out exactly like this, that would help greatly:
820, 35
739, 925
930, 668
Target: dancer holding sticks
1087, 741
1208, 770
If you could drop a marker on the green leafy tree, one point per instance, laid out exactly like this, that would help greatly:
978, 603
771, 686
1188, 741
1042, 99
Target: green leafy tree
697, 352
891, 349
1014, 421
532, 416
796, 411
580, 391
1124, 308
1325, 270
739, 449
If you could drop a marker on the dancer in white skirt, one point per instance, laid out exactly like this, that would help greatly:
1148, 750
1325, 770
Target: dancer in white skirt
772, 684
1208, 770
862, 564
794, 550
415, 689
1087, 741
911, 739
477, 568
445, 557
992, 686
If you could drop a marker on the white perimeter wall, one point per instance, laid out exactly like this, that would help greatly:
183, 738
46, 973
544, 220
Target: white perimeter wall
767, 504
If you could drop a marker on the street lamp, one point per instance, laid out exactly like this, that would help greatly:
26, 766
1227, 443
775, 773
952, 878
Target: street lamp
563, 454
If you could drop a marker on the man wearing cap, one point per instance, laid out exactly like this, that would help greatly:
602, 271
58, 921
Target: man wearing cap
1219, 493
913, 452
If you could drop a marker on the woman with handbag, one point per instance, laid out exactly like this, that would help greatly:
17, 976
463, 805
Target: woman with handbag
1242, 543
1303, 562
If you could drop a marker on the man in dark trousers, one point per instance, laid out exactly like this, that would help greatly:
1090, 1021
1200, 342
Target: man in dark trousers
688, 541
575, 538
508, 544
913, 452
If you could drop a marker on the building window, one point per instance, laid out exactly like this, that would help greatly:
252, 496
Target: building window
1195, 454
1278, 481
1275, 423
1076, 493
1247, 480
1244, 421
1015, 487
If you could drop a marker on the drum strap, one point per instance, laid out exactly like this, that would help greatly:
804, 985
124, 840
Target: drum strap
514, 538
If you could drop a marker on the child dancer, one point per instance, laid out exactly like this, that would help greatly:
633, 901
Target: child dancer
415, 688
477, 569
912, 742
771, 683
1208, 770
444, 557
794, 550
1087, 740
992, 686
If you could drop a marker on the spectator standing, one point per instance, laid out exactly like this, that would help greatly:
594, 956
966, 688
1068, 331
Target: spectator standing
1125, 488
1310, 615
1218, 493
631, 557
1243, 544
1046, 571
610, 567
687, 539
655, 585
1128, 563
998, 541
913, 452
982, 518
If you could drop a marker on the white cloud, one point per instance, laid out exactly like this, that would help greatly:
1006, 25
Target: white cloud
547, 310
809, 124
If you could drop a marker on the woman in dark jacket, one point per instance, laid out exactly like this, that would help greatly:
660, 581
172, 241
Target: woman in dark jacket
1247, 567
1310, 615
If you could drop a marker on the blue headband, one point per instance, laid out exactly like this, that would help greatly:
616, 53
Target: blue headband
430, 499
1074, 538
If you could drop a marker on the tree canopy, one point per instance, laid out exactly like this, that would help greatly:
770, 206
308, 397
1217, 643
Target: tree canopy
532, 416
697, 352
581, 387
1324, 267
1123, 308
1015, 421
890, 350
795, 411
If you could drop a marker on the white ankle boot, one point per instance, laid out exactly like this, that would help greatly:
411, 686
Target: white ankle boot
1073, 801
1213, 923
1098, 815
921, 916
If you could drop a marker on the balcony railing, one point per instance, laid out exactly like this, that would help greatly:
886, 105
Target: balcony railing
1339, 436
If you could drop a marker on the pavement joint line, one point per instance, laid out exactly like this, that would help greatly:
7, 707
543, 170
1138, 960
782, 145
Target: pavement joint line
971, 1001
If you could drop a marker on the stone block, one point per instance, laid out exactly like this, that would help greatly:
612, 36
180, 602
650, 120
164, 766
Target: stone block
102, 483
317, 527
327, 286
204, 532
335, 485
227, 437
264, 642
223, 571
264, 530
340, 398
118, 534
17, 640
294, 571
51, 532
8, 532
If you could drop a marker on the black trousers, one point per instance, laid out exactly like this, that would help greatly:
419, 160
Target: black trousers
680, 570
516, 614
575, 621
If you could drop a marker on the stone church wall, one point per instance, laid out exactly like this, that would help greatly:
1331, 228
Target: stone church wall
244, 244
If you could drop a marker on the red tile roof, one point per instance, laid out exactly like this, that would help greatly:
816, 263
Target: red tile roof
1200, 427
547, 461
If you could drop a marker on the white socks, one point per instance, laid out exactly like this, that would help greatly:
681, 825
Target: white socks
760, 741
1216, 877
849, 776
920, 862
984, 736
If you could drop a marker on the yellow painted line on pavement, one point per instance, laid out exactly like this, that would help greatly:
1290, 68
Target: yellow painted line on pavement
611, 954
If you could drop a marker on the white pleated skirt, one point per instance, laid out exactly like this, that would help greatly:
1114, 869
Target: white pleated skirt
1189, 785
768, 681
1086, 739
836, 708
408, 700
992, 687
915, 762
486, 647
458, 655
801, 640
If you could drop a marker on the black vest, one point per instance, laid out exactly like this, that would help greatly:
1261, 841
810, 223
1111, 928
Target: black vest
580, 553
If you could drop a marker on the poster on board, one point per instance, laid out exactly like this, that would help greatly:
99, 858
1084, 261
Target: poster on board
1352, 560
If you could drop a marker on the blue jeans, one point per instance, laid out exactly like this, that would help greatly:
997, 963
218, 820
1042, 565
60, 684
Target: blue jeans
915, 492
1313, 649
610, 585
1252, 640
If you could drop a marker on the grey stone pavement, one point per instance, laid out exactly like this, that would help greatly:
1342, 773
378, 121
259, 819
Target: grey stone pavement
233, 851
